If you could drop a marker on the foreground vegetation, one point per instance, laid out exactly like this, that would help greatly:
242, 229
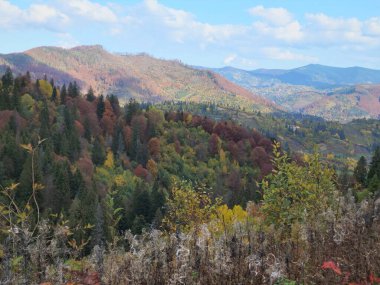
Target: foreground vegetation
92, 193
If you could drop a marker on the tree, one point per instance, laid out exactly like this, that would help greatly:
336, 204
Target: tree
154, 148
187, 209
44, 121
27, 106
374, 167
61, 196
109, 162
114, 101
63, 94
100, 107
98, 152
90, 96
296, 194
132, 108
73, 90
214, 144
360, 171
45, 89
6, 90
54, 95
87, 129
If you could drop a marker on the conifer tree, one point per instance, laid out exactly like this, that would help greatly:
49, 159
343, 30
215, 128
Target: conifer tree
6, 90
132, 108
54, 95
63, 94
90, 96
61, 197
360, 171
373, 179
87, 129
98, 152
100, 107
44, 121
374, 167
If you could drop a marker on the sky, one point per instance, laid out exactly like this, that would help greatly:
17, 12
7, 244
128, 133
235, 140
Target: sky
246, 34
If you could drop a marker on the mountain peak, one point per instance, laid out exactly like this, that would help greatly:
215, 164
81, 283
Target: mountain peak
89, 48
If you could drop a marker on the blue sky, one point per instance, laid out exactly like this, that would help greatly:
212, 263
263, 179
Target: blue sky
245, 34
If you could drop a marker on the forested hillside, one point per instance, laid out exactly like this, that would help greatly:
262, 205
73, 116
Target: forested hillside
341, 144
93, 192
141, 77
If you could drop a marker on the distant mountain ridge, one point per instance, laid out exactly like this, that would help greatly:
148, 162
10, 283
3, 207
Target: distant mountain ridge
333, 93
315, 75
139, 76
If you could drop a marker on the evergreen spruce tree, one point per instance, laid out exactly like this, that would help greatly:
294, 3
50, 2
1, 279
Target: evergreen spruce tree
61, 197
132, 108
90, 96
373, 178
6, 90
360, 171
100, 107
98, 153
87, 129
63, 94
54, 95
44, 121
374, 168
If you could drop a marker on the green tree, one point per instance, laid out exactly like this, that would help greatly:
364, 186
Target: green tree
296, 193
98, 152
90, 96
6, 90
63, 94
100, 107
61, 196
132, 108
374, 167
360, 171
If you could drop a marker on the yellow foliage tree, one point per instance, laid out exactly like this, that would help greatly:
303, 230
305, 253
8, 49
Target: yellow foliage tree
152, 167
224, 218
45, 88
222, 158
109, 162
188, 209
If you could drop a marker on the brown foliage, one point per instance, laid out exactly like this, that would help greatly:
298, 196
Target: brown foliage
109, 119
79, 127
154, 147
140, 171
214, 144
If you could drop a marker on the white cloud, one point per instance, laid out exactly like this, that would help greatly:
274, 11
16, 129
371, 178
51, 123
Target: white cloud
277, 23
372, 26
91, 10
338, 31
239, 61
230, 59
291, 32
284, 54
66, 40
183, 26
276, 16
39, 15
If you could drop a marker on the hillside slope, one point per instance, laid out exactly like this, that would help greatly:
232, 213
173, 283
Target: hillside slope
313, 75
139, 76
342, 94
